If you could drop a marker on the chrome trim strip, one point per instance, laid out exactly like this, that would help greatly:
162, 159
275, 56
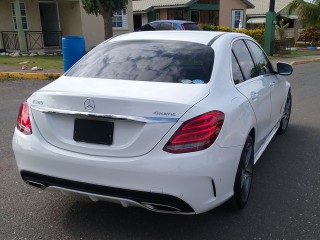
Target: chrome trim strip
108, 116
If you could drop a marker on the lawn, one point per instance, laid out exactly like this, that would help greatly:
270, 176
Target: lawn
301, 53
46, 62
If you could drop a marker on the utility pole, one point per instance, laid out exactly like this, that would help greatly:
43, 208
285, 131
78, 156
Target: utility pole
270, 29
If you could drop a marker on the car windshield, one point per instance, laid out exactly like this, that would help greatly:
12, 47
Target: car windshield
191, 26
154, 61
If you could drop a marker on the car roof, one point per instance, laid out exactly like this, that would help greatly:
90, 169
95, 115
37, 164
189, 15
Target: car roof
173, 21
202, 37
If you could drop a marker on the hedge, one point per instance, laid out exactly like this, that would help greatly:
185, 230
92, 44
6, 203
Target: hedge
257, 34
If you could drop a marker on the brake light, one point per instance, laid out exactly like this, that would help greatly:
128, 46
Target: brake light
23, 123
196, 134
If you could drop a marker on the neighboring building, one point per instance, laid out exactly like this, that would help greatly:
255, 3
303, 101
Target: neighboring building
46, 21
256, 17
229, 13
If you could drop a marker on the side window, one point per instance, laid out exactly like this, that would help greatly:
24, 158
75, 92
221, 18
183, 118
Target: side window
236, 71
154, 26
174, 26
244, 58
262, 63
166, 26
150, 27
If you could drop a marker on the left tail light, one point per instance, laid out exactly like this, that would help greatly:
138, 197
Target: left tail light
196, 134
23, 122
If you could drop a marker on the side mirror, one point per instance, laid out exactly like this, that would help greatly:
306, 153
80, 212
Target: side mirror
284, 68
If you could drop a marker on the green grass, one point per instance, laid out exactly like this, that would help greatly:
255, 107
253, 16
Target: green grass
300, 53
303, 53
45, 62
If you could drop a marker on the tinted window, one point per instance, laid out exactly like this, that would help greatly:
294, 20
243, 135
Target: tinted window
262, 63
175, 26
191, 26
150, 27
155, 61
166, 26
236, 71
244, 58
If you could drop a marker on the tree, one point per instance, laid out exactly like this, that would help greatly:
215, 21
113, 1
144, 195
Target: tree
106, 8
281, 29
308, 11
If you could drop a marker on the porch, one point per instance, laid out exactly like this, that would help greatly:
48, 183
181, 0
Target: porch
35, 40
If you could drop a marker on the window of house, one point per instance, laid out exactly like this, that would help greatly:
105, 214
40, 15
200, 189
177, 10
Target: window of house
237, 18
120, 19
176, 14
23, 16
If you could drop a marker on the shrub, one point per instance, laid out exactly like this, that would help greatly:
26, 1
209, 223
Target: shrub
257, 34
309, 35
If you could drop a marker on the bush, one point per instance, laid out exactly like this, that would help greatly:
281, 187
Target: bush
309, 35
257, 34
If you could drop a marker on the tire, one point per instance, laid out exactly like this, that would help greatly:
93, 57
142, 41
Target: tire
284, 123
244, 175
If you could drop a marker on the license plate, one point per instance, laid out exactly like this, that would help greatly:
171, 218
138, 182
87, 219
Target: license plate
93, 131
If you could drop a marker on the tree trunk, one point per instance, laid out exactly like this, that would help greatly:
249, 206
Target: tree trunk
107, 21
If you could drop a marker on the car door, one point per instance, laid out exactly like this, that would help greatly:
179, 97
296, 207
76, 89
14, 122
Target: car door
277, 85
255, 87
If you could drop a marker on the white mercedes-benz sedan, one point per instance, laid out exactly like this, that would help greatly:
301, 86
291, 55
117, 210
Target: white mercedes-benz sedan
169, 121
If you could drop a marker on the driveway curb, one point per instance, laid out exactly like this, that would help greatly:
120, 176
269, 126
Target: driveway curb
305, 61
21, 75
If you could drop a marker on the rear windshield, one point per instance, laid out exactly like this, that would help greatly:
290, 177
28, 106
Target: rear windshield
191, 26
154, 61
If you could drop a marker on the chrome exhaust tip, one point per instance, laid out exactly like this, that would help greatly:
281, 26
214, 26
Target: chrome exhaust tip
160, 208
35, 184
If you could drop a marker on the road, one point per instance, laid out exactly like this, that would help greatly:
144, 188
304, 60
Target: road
284, 202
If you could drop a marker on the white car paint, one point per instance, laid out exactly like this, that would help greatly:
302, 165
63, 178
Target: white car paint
145, 116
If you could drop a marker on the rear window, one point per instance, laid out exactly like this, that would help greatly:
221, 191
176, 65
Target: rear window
191, 26
154, 61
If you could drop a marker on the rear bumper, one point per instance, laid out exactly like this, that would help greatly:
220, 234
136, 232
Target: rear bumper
190, 183
152, 201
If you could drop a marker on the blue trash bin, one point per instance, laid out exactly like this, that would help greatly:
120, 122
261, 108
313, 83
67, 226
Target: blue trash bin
73, 48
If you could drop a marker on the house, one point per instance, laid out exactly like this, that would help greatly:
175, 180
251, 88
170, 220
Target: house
256, 17
230, 13
45, 22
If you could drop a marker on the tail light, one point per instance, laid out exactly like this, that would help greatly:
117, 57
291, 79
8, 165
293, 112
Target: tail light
196, 134
23, 123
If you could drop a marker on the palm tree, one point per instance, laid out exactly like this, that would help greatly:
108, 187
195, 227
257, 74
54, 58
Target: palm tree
308, 11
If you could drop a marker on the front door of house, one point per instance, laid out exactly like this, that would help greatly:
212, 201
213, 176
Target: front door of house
50, 23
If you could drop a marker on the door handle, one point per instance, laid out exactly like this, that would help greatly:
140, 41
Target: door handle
254, 96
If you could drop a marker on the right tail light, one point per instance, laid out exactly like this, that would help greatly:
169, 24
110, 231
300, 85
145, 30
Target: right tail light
196, 134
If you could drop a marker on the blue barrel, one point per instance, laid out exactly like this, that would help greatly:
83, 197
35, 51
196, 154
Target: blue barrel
73, 48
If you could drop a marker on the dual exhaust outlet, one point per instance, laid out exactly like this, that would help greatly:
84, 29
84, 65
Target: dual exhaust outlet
150, 206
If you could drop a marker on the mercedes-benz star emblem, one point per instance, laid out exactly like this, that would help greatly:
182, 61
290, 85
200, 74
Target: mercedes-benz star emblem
89, 105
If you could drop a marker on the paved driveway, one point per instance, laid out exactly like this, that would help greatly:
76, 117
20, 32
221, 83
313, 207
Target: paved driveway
284, 204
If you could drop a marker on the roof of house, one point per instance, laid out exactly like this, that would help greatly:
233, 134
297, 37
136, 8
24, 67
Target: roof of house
262, 6
148, 5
